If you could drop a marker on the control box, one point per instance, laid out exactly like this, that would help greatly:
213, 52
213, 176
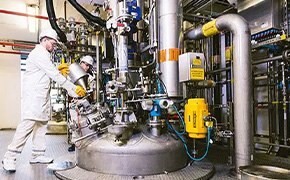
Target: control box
191, 67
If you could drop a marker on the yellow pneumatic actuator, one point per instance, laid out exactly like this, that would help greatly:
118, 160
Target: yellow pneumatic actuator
195, 111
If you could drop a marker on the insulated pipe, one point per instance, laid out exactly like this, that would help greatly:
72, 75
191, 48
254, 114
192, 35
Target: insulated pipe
123, 57
86, 14
170, 22
52, 21
242, 69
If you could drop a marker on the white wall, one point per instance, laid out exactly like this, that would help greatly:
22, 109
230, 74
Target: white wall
13, 28
10, 90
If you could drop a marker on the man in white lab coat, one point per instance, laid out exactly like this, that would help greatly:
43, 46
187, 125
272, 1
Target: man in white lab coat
36, 101
86, 62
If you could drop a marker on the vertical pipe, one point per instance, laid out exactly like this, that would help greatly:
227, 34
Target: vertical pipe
153, 38
284, 93
170, 19
97, 78
242, 72
153, 28
140, 24
122, 55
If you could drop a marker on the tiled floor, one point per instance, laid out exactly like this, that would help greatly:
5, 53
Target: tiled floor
56, 147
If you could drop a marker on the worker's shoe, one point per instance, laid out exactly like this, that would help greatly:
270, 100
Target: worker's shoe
9, 165
41, 160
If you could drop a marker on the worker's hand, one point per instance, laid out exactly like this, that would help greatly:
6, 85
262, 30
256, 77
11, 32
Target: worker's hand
80, 91
63, 68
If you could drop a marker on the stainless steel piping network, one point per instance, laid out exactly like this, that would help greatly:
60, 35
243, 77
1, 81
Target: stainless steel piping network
242, 72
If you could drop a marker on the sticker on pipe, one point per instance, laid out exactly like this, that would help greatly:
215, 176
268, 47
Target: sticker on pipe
169, 54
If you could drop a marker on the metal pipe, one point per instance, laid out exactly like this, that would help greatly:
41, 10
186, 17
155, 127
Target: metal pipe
13, 52
28, 15
284, 93
242, 73
22, 14
170, 13
97, 78
272, 144
256, 62
86, 136
219, 70
194, 17
153, 25
123, 53
140, 24
17, 45
260, 61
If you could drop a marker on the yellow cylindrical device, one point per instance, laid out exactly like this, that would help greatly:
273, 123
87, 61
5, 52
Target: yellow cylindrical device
195, 111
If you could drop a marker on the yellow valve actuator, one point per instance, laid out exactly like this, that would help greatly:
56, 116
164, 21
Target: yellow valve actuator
195, 111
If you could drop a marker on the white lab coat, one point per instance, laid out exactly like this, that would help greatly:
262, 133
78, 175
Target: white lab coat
91, 81
36, 84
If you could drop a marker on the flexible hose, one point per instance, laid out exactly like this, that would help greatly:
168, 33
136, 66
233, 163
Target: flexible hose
207, 147
180, 119
86, 14
52, 21
179, 135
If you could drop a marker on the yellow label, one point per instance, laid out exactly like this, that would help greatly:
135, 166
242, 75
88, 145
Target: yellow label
197, 74
196, 62
210, 29
169, 54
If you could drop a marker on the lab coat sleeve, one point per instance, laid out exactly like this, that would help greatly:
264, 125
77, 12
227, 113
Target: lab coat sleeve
52, 72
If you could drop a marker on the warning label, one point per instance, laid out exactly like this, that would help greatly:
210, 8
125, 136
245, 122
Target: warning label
169, 54
197, 74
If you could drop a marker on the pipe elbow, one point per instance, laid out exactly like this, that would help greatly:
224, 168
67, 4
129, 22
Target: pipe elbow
232, 22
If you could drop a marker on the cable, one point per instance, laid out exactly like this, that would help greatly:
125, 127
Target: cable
179, 135
207, 147
180, 119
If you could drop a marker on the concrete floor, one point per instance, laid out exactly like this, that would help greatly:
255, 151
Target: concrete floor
57, 147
